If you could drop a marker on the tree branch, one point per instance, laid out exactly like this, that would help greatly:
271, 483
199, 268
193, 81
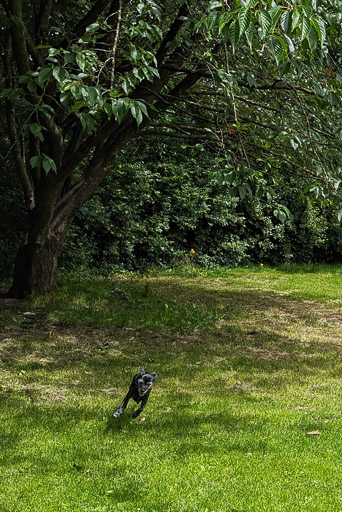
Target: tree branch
43, 20
112, 129
101, 162
182, 128
172, 33
91, 16
276, 85
180, 135
18, 37
115, 43
18, 155
36, 55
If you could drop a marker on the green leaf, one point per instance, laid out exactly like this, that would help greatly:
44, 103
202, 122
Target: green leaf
35, 161
135, 54
81, 61
93, 95
108, 109
251, 81
138, 73
295, 18
242, 193
333, 98
278, 49
154, 71
211, 20
285, 21
321, 25
214, 4
275, 13
320, 28
136, 113
265, 21
52, 164
140, 8
126, 86
224, 19
199, 23
305, 28
54, 51
156, 11
58, 74
120, 109
225, 33
83, 121
280, 215
48, 163
234, 33
249, 33
142, 107
294, 144
23, 79
245, 18
307, 9
41, 46
46, 166
290, 44
284, 68
69, 57
339, 215
313, 38
36, 129
78, 104
43, 75
93, 27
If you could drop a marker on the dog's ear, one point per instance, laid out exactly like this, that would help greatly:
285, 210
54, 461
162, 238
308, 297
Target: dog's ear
154, 374
141, 371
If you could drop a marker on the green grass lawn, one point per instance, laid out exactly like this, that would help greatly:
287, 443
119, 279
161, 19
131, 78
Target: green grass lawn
248, 360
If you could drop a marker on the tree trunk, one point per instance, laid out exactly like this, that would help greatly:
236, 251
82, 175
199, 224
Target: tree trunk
35, 268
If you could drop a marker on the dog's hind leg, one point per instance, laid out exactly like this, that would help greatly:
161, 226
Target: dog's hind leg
142, 405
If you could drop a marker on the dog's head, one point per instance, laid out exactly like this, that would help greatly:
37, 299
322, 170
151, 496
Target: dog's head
144, 381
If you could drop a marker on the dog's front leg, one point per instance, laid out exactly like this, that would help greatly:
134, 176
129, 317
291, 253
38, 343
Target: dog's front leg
141, 408
123, 406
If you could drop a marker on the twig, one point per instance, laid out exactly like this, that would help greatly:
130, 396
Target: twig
115, 44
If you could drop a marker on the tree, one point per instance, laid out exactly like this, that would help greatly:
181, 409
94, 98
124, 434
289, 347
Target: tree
84, 79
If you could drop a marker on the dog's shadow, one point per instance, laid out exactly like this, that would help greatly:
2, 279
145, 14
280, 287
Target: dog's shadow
120, 423
114, 424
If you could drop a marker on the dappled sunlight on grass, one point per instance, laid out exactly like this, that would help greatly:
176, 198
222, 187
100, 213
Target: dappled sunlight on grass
247, 365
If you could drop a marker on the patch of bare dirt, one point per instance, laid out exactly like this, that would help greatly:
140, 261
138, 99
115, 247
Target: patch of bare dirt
37, 392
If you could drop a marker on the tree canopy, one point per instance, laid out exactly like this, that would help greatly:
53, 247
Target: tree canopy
257, 83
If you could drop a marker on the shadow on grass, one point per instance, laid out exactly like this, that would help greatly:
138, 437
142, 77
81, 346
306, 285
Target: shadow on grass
255, 339
181, 359
186, 357
309, 268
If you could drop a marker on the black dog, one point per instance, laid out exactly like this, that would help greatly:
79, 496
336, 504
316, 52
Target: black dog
139, 390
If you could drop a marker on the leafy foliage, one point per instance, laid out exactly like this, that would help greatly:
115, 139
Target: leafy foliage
169, 202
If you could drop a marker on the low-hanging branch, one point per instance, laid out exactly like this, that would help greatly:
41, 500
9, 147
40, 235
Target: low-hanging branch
276, 85
178, 135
